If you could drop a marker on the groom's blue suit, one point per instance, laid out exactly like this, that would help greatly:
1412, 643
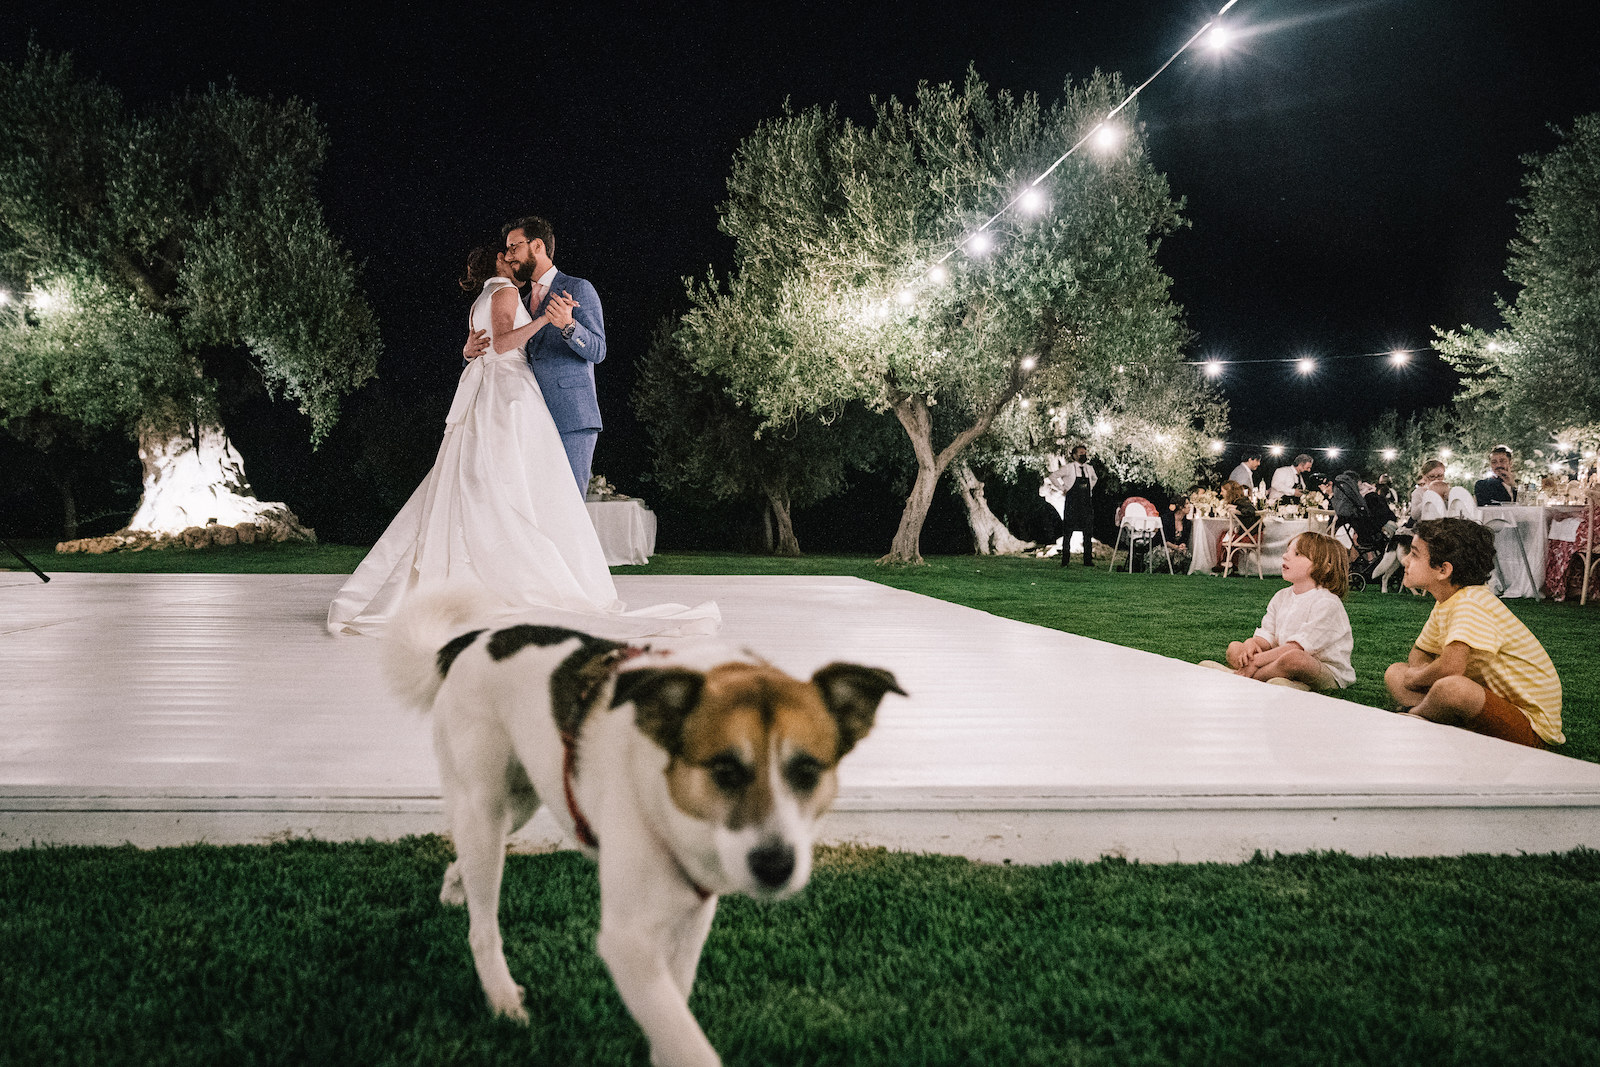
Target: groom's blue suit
564, 368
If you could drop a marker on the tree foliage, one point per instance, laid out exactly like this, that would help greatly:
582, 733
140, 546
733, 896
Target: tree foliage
1539, 376
836, 226
155, 245
704, 440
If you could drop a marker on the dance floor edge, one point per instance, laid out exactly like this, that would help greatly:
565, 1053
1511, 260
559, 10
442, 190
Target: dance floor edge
167, 709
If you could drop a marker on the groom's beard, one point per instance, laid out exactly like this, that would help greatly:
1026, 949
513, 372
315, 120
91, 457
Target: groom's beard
522, 272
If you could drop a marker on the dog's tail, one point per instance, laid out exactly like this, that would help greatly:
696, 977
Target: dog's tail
415, 659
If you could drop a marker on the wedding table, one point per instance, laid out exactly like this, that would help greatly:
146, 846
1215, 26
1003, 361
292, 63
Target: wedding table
1276, 534
1520, 547
627, 530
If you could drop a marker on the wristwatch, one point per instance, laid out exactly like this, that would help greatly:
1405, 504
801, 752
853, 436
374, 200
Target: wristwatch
568, 330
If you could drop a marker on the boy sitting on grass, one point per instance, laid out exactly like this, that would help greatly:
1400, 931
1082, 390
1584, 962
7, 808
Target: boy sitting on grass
1304, 640
1475, 665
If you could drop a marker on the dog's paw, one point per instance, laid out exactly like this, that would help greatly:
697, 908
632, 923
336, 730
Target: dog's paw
510, 1006
454, 891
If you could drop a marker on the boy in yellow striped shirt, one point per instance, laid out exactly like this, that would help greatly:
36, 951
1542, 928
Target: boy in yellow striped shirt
1475, 665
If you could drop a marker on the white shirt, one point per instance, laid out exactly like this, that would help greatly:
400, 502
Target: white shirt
1285, 480
1316, 621
1244, 476
1066, 475
546, 278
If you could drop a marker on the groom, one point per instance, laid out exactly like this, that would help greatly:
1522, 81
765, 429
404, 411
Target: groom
563, 353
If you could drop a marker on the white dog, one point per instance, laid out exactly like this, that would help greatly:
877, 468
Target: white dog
701, 775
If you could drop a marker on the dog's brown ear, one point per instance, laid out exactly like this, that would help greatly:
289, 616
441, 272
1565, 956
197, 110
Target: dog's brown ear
852, 693
662, 699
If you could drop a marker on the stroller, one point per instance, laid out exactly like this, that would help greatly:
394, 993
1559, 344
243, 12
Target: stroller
1367, 522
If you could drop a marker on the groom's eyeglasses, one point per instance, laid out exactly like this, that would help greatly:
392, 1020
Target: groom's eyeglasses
513, 245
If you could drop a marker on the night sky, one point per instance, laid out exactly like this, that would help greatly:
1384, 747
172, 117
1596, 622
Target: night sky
1348, 169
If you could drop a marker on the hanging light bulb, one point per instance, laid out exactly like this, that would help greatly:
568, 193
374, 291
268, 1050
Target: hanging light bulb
905, 296
1305, 365
937, 274
979, 243
1445, 453
1032, 201
1276, 450
1219, 38
1389, 454
1399, 357
1108, 136
1213, 367
1216, 446
1333, 453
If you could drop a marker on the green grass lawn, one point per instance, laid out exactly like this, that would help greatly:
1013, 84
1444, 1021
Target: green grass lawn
310, 953
322, 953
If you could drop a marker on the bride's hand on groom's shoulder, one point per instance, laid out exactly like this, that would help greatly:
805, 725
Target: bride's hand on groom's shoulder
477, 342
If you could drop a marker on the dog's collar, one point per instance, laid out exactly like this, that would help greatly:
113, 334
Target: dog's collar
569, 764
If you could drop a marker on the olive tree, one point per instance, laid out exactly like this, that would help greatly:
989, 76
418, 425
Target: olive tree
842, 289
143, 252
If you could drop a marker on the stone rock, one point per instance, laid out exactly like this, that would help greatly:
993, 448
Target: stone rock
196, 537
247, 533
223, 535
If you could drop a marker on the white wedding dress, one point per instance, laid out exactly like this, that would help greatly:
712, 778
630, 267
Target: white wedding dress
499, 509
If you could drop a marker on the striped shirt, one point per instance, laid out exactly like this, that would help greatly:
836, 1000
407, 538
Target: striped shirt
1506, 658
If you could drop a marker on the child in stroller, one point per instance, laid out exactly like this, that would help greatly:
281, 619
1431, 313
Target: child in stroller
1367, 523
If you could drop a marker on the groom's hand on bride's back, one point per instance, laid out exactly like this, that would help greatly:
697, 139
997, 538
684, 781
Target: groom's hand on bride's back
477, 343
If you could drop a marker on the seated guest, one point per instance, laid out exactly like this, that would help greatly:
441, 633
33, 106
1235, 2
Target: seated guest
1245, 472
1236, 497
1501, 486
1304, 640
1432, 471
1289, 480
1386, 488
1475, 665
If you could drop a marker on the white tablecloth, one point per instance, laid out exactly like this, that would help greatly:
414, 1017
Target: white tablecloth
1516, 575
627, 530
1276, 536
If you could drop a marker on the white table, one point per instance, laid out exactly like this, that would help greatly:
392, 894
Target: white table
1276, 535
627, 530
1520, 528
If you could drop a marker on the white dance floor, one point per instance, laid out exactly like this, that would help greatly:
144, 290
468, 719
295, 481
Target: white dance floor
163, 709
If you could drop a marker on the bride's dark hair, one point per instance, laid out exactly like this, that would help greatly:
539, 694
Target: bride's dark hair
481, 266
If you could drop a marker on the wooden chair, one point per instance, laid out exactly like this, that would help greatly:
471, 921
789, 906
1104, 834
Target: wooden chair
1320, 520
1242, 539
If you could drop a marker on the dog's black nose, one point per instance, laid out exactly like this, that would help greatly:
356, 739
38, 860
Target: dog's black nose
772, 864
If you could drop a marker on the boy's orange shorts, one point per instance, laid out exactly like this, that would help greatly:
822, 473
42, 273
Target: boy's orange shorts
1503, 719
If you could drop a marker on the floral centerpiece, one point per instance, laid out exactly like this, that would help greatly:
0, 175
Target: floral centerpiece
600, 489
1205, 502
1313, 499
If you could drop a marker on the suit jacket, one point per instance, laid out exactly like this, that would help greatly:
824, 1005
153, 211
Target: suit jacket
565, 369
1487, 490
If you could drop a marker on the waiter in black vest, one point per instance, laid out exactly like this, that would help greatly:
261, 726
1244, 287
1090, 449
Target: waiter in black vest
1076, 479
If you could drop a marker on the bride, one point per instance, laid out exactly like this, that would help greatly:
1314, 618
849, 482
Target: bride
498, 507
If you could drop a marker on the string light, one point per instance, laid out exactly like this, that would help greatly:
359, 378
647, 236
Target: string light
1276, 450
1213, 367
1028, 363
1108, 136
1399, 357
5, 298
1219, 38
1333, 453
1305, 366
937, 274
1388, 455
1032, 201
1445, 453
979, 243
1102, 131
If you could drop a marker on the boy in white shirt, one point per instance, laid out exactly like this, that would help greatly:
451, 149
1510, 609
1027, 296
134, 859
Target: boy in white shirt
1304, 640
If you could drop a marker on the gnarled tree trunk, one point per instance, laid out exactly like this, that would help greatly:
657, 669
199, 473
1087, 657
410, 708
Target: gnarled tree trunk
196, 478
989, 535
778, 504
